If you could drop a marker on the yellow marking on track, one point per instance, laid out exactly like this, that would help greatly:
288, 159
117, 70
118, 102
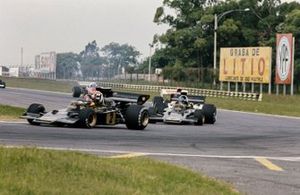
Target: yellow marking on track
268, 164
130, 155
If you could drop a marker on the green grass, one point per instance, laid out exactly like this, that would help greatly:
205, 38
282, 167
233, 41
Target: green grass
10, 112
271, 104
35, 171
40, 84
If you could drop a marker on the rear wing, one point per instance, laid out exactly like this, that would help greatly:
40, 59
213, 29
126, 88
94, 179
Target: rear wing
175, 93
126, 97
196, 99
172, 91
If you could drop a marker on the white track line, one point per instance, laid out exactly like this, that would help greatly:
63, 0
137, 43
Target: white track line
37, 90
293, 159
13, 122
262, 114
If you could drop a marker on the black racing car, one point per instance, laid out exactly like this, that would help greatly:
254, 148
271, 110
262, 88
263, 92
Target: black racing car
114, 108
2, 84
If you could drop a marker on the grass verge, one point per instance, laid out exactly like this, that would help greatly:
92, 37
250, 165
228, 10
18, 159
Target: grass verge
10, 112
40, 84
271, 104
35, 171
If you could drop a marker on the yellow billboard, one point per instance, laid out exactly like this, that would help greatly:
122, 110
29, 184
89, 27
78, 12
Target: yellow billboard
246, 64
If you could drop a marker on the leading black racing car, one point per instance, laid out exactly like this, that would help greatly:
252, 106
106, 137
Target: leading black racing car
114, 108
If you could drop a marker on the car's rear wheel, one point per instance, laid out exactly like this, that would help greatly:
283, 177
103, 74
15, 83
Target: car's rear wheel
199, 118
87, 118
209, 111
152, 112
136, 117
35, 109
76, 91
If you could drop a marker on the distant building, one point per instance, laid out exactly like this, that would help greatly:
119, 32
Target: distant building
4, 71
14, 71
45, 65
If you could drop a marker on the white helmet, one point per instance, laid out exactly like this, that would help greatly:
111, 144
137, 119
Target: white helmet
183, 99
92, 84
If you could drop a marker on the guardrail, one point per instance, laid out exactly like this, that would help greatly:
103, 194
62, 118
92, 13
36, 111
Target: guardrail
191, 91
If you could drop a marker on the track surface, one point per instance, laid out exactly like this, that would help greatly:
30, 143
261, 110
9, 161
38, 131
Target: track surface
227, 150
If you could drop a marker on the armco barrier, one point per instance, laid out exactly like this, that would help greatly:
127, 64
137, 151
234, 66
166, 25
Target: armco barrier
192, 91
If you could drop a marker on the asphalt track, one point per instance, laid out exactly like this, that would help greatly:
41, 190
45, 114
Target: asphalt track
258, 154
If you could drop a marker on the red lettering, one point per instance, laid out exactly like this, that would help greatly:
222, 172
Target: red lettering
234, 61
224, 70
251, 66
261, 69
243, 65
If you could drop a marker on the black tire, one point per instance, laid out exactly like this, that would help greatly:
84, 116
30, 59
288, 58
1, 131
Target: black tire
35, 109
87, 118
159, 104
152, 112
209, 111
76, 91
199, 117
136, 117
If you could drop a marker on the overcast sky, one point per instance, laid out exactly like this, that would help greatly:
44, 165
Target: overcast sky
68, 25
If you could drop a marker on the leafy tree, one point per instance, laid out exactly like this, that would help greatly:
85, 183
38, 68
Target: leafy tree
92, 63
120, 56
189, 40
159, 59
68, 66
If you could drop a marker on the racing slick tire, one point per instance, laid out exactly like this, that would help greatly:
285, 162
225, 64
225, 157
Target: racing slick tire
199, 118
159, 104
136, 117
87, 118
76, 91
35, 109
209, 111
152, 112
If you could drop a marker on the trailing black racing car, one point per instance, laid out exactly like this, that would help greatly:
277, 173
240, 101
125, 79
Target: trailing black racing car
2, 84
181, 108
107, 108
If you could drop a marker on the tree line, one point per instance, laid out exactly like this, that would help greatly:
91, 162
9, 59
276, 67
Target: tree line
94, 62
189, 41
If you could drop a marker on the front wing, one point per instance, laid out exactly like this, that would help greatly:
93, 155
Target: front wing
61, 116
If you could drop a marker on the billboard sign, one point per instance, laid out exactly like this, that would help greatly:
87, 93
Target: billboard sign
46, 62
284, 55
246, 64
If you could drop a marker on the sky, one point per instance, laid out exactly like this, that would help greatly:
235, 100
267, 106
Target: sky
68, 25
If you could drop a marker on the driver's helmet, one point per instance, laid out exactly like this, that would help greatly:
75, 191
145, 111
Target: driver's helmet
92, 85
183, 99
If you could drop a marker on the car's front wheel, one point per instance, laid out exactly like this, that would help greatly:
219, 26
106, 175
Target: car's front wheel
210, 112
199, 118
35, 109
136, 117
87, 118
